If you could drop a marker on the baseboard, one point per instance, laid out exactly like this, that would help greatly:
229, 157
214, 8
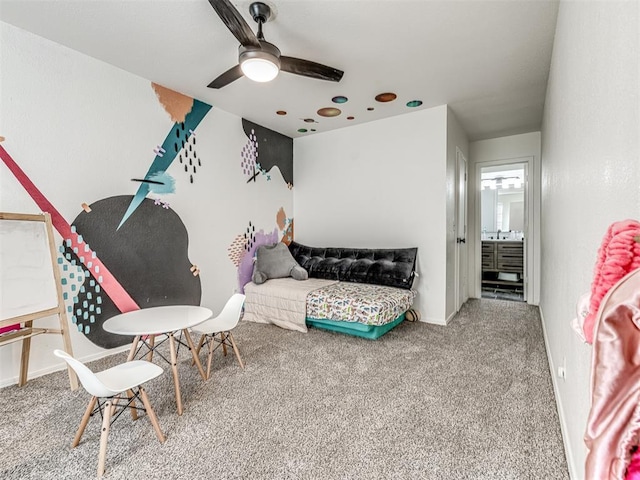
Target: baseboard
563, 423
436, 321
62, 366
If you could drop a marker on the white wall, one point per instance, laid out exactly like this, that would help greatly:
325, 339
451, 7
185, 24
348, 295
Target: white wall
590, 179
82, 129
518, 148
381, 184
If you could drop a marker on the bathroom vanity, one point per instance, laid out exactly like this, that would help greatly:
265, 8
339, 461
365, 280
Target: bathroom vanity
502, 264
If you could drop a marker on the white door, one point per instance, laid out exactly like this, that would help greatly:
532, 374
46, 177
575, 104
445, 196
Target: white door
461, 266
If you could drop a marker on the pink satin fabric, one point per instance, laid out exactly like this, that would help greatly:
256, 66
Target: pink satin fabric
613, 427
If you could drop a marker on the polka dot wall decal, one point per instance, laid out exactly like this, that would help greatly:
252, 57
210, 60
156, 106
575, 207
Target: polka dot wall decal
414, 103
313, 129
386, 97
340, 99
350, 118
302, 130
281, 112
370, 109
309, 120
329, 112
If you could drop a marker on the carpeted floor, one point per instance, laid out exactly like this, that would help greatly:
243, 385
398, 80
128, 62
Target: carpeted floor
472, 400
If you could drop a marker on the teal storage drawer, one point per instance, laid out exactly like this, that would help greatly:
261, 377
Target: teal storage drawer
371, 332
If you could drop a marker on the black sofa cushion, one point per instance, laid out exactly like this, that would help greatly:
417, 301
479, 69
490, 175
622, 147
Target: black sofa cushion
391, 267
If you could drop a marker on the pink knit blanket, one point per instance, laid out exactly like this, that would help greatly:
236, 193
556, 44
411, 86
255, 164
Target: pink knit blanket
618, 255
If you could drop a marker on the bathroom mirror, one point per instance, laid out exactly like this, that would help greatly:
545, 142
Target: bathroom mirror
502, 202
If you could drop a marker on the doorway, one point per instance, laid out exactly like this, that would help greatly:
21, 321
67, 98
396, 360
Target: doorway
503, 227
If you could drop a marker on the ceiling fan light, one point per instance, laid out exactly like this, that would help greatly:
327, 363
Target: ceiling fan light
259, 69
259, 64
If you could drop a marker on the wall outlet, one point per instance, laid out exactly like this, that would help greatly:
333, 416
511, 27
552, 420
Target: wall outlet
562, 370
562, 373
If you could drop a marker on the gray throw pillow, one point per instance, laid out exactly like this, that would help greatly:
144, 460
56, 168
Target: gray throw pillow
275, 261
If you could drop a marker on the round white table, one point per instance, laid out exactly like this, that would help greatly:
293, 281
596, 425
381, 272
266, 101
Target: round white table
147, 323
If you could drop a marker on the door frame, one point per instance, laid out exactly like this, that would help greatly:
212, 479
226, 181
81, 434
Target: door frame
461, 281
529, 224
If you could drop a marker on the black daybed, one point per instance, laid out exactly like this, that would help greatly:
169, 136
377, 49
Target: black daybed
361, 292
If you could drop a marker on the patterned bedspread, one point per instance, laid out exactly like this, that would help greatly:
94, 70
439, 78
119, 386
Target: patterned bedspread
359, 302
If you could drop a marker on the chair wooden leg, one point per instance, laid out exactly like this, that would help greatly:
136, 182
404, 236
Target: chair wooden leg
199, 347
192, 349
106, 421
235, 349
152, 415
132, 404
152, 342
210, 356
224, 345
114, 403
84, 421
200, 343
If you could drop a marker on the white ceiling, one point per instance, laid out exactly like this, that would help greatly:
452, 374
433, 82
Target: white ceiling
489, 60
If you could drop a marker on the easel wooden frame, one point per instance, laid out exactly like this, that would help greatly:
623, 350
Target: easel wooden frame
26, 332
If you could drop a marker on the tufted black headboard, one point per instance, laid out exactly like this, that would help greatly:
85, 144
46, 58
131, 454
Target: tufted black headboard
391, 267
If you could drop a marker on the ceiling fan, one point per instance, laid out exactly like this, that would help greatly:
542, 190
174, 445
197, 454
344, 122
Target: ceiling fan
258, 59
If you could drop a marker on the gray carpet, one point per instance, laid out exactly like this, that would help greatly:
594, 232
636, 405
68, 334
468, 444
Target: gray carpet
472, 400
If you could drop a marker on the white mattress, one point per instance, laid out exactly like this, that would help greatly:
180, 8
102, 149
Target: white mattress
281, 301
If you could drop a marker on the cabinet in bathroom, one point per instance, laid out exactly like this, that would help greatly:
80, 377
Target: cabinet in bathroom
502, 256
488, 256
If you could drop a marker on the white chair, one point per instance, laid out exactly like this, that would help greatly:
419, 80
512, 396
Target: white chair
106, 388
221, 325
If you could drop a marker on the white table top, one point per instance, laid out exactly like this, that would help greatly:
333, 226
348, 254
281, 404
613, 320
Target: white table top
157, 320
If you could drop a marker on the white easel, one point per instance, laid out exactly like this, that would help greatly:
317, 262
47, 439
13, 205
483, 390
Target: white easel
25, 321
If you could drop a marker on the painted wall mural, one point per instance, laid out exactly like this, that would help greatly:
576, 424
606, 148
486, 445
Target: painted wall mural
264, 150
72, 239
148, 255
127, 252
286, 225
120, 171
243, 249
142, 243
179, 142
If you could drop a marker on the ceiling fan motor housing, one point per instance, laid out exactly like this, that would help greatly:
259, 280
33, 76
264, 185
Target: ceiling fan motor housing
268, 51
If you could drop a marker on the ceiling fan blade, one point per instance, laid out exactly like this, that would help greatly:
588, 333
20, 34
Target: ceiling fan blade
227, 77
235, 23
307, 68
